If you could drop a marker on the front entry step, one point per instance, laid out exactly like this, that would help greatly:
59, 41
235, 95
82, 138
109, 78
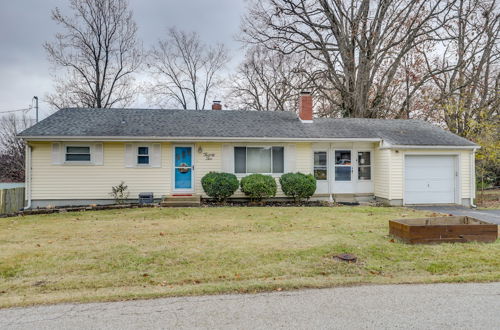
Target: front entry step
345, 198
181, 200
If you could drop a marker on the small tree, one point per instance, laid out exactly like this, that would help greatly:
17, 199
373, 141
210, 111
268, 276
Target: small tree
120, 193
12, 148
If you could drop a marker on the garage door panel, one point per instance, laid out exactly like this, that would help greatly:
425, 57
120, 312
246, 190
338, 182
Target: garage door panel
432, 173
429, 185
434, 198
429, 179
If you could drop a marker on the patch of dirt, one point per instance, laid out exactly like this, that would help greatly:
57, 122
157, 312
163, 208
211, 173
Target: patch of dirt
488, 198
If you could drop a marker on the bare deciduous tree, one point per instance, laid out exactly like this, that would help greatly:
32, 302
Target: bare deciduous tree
12, 148
96, 54
185, 70
269, 80
359, 45
470, 92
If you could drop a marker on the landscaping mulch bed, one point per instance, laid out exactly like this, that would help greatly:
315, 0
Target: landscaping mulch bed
79, 208
212, 203
204, 203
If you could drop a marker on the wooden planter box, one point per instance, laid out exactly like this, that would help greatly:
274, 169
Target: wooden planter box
443, 229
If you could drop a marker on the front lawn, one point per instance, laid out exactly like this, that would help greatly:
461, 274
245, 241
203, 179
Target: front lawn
142, 253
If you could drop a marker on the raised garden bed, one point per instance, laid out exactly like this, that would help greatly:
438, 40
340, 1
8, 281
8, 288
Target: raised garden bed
443, 230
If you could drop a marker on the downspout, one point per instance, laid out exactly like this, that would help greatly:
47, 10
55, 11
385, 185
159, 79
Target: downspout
27, 179
329, 172
472, 180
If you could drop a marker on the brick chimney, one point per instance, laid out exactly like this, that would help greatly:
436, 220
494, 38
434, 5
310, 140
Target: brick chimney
305, 107
216, 105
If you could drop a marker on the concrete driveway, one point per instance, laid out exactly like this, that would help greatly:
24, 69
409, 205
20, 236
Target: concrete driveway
492, 216
434, 306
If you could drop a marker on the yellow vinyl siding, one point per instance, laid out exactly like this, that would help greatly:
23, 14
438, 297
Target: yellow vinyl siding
304, 158
382, 174
95, 181
204, 165
397, 169
91, 182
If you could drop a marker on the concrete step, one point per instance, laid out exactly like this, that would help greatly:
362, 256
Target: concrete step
181, 200
345, 198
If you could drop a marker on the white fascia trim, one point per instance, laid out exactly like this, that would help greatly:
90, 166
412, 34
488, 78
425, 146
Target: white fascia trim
190, 138
27, 177
394, 146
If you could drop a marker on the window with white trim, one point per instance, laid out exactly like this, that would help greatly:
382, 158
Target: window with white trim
364, 165
142, 155
259, 159
77, 154
320, 165
343, 165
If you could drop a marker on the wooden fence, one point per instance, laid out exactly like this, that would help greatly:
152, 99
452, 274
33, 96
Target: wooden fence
11, 200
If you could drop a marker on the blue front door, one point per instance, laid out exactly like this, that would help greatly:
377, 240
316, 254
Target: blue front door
183, 164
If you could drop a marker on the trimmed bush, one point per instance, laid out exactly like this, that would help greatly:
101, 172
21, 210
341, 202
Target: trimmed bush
258, 186
298, 185
219, 185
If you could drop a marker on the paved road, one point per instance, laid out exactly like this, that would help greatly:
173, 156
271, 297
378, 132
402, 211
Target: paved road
435, 306
486, 215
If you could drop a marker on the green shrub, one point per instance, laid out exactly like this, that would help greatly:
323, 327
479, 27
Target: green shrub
258, 186
298, 185
219, 185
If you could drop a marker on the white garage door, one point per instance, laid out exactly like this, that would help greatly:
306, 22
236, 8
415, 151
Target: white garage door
430, 180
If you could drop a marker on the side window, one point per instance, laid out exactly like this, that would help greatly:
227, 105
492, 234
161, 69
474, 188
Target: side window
320, 165
77, 154
364, 165
142, 155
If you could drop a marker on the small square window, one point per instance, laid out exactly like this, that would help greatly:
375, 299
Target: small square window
364, 158
143, 155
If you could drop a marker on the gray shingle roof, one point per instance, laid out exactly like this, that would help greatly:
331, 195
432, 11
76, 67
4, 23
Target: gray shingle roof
233, 123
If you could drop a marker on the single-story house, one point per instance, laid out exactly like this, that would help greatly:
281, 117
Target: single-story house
76, 155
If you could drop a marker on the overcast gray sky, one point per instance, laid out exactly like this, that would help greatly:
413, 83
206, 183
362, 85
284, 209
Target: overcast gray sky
26, 24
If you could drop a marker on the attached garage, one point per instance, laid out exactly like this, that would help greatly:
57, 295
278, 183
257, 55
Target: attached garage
431, 179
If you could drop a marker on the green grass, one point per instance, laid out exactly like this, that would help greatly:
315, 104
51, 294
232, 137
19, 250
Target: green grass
143, 253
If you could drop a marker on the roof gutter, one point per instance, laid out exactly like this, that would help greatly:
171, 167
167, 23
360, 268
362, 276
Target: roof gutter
386, 145
189, 138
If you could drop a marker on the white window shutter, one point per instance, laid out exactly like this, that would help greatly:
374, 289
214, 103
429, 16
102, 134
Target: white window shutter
290, 158
57, 153
129, 155
227, 159
97, 154
156, 155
